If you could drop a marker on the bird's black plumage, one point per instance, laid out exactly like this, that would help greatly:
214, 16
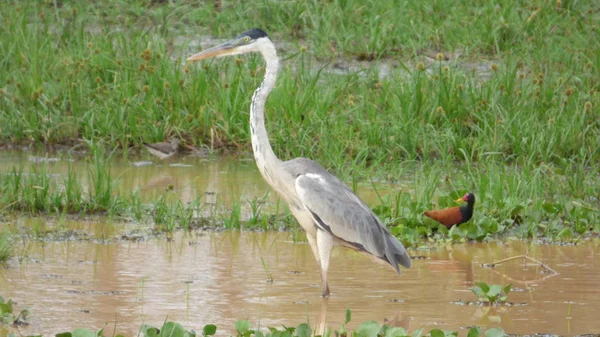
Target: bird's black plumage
255, 33
467, 210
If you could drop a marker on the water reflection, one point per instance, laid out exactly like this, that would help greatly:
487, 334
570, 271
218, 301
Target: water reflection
203, 277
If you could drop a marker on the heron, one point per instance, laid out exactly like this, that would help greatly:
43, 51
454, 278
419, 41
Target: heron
328, 211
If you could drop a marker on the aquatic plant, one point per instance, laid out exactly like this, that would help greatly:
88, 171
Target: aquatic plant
491, 294
516, 212
243, 329
366, 329
163, 216
173, 329
7, 315
38, 191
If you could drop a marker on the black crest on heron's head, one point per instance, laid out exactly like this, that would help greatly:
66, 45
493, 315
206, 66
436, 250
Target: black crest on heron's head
256, 33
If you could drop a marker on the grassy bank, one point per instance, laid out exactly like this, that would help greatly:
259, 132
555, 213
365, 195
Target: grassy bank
522, 202
498, 99
524, 89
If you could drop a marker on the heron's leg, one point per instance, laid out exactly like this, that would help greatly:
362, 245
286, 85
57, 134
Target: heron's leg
312, 241
324, 244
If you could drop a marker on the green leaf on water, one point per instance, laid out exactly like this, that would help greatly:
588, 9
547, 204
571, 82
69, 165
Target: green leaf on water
303, 330
483, 286
63, 334
242, 326
83, 333
6, 308
394, 331
209, 330
507, 288
436, 333
495, 290
348, 315
474, 332
284, 333
478, 292
495, 332
171, 329
149, 331
368, 329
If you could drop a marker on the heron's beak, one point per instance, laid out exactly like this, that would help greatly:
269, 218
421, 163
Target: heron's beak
227, 48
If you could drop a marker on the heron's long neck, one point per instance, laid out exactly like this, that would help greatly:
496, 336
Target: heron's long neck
263, 153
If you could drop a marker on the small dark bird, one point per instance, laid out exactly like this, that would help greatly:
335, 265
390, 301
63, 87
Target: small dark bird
454, 215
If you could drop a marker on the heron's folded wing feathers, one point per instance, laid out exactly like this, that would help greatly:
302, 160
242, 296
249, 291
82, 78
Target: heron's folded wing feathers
336, 209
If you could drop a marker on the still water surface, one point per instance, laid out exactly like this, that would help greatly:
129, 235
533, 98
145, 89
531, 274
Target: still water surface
271, 278
205, 277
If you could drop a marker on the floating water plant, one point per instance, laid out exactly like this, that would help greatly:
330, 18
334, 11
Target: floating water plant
491, 294
243, 329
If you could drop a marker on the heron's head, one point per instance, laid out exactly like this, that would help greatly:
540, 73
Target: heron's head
254, 40
469, 197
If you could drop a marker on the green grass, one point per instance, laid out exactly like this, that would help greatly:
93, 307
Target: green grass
510, 202
36, 192
105, 72
6, 250
512, 115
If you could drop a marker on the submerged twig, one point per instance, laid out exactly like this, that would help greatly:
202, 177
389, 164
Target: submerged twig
545, 266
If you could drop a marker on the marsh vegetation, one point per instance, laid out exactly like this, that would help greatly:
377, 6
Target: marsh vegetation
418, 102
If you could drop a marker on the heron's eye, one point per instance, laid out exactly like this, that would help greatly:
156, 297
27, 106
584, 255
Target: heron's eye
246, 38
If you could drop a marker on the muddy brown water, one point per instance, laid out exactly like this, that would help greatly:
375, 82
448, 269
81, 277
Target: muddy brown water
271, 278
205, 277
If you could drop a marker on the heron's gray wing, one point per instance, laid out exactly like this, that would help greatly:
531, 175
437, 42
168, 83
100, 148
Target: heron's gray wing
337, 210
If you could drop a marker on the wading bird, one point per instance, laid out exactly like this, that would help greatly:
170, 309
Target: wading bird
329, 212
163, 150
454, 215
